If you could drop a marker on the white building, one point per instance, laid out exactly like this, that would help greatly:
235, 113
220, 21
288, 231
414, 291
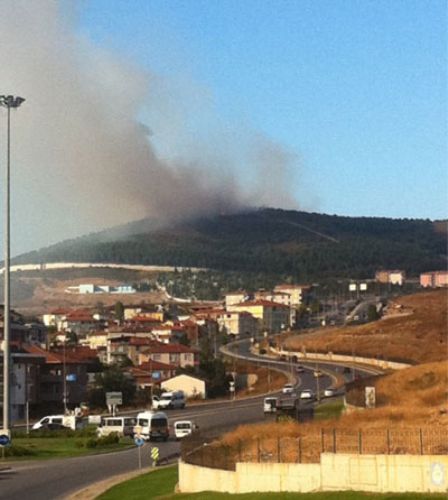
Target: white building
191, 386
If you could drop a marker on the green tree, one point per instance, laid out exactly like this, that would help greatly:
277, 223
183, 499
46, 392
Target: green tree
372, 313
112, 379
119, 311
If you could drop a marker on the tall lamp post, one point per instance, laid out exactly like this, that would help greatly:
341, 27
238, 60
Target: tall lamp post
8, 102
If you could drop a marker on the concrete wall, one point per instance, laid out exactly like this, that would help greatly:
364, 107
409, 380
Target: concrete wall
376, 473
341, 358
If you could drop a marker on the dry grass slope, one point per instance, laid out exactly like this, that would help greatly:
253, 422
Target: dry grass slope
407, 400
417, 337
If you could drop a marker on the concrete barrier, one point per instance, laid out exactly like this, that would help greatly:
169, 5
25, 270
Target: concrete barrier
383, 364
335, 472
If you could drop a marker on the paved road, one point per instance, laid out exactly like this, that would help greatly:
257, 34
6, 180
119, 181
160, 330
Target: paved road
54, 479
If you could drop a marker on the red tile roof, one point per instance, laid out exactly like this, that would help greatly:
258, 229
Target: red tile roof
160, 347
77, 355
261, 302
156, 365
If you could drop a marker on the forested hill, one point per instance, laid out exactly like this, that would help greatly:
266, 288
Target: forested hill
305, 245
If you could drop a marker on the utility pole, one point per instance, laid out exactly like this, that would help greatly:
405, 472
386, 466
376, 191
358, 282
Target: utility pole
7, 101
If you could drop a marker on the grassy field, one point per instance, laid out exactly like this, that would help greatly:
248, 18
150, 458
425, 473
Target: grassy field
161, 483
38, 448
153, 485
332, 409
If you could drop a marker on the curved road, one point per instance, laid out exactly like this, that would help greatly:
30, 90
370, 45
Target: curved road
54, 479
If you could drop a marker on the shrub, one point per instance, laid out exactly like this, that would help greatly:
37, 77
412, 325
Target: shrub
17, 451
112, 438
91, 443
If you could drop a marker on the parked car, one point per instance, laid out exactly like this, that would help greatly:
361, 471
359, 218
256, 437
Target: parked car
307, 394
300, 369
329, 392
288, 389
317, 373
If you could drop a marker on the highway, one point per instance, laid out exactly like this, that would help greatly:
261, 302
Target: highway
54, 479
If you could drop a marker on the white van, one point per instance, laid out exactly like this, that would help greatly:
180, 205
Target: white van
183, 428
270, 405
169, 400
152, 425
123, 426
56, 422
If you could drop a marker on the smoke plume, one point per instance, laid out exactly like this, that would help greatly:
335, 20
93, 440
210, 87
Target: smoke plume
81, 161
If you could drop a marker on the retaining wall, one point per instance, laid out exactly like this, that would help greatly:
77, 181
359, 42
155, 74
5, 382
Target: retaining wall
342, 358
375, 473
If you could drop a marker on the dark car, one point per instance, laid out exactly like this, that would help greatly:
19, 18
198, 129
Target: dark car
347, 369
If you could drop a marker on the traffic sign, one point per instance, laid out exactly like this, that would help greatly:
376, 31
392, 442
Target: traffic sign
4, 440
139, 441
154, 454
114, 398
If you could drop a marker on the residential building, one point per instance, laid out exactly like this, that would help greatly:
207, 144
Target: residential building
434, 279
24, 381
63, 375
298, 294
154, 313
233, 298
151, 374
238, 323
123, 347
395, 277
272, 317
178, 355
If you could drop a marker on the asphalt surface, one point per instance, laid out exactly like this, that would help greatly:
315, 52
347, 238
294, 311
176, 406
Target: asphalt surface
54, 479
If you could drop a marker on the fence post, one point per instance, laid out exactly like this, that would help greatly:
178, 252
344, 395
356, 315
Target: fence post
360, 442
322, 440
334, 440
421, 441
300, 450
279, 458
388, 441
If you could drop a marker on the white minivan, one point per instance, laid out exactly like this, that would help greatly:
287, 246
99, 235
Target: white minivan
152, 425
183, 428
123, 426
169, 400
57, 422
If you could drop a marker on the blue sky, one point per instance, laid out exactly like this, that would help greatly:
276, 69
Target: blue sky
355, 89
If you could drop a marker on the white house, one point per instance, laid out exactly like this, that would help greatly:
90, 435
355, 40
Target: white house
191, 386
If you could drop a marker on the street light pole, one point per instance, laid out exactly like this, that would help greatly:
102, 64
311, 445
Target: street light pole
8, 102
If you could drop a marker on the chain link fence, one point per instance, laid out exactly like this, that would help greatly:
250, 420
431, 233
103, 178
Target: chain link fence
198, 450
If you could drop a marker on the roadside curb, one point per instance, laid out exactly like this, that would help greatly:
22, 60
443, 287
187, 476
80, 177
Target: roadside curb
94, 490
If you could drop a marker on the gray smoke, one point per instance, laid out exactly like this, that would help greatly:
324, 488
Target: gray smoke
81, 159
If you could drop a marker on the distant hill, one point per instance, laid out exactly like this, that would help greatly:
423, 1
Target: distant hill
304, 245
